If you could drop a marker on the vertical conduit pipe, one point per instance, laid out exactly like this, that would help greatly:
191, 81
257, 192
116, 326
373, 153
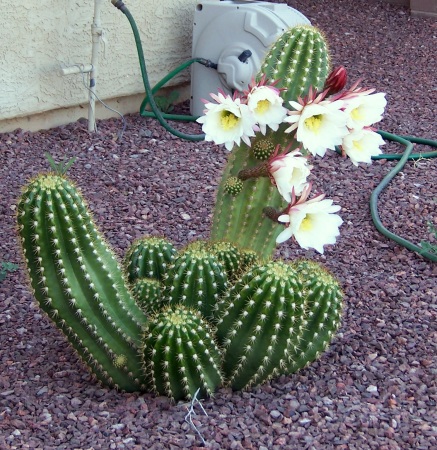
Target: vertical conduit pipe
96, 32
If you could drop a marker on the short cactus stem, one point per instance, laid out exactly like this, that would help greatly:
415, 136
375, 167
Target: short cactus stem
79, 283
270, 324
149, 257
248, 258
260, 322
324, 298
196, 279
230, 257
181, 354
149, 294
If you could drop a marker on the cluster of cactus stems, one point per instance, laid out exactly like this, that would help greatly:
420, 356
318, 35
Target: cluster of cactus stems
216, 312
298, 60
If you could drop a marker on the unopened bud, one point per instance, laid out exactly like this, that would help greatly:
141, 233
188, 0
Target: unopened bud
233, 186
272, 213
336, 80
263, 148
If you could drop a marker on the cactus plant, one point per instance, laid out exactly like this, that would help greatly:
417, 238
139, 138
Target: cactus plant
268, 324
324, 300
297, 60
149, 257
275, 318
196, 279
78, 281
149, 294
181, 354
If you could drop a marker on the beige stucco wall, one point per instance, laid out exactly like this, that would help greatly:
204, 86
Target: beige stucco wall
39, 37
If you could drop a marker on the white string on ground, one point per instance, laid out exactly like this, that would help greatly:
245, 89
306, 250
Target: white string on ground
191, 413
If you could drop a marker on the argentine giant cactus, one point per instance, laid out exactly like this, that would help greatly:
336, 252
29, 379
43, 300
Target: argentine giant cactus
297, 60
78, 282
196, 279
149, 257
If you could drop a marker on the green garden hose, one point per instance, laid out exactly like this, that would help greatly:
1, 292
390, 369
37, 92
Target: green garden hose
407, 141
150, 99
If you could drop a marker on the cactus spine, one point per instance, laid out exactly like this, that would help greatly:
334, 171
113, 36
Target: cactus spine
78, 282
299, 60
181, 353
268, 324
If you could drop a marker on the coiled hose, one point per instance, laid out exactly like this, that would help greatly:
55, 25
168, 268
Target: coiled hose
162, 118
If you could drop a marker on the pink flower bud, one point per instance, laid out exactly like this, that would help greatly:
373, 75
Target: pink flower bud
336, 80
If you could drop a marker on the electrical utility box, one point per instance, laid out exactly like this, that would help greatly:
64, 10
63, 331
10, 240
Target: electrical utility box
235, 36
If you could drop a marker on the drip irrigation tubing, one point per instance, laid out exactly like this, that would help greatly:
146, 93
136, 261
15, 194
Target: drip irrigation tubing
162, 118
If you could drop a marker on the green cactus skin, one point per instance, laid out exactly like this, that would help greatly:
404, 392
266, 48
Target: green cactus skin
78, 282
196, 279
182, 354
325, 298
299, 60
149, 257
149, 294
229, 256
259, 320
269, 325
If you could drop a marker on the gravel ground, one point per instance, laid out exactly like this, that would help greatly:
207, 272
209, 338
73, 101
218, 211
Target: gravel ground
375, 387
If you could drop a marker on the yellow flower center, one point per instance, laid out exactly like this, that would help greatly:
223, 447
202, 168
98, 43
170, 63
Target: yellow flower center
306, 224
314, 122
356, 114
228, 120
358, 145
262, 106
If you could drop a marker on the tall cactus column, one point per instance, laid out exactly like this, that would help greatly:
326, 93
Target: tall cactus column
78, 282
298, 60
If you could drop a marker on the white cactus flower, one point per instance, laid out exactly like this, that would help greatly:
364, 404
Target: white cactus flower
361, 145
289, 171
311, 222
363, 110
266, 105
319, 125
228, 121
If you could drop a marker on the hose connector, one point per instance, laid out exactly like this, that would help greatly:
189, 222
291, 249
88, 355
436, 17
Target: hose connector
119, 5
207, 63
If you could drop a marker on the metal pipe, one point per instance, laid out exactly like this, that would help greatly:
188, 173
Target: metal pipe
96, 32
